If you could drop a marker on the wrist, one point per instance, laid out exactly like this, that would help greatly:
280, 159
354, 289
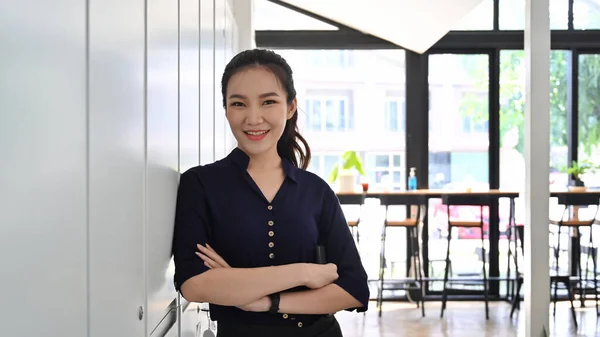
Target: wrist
302, 274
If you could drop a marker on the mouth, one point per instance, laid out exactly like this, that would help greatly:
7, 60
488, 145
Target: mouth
256, 134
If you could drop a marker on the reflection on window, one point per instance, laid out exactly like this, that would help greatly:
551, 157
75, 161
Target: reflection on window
512, 14
395, 115
328, 114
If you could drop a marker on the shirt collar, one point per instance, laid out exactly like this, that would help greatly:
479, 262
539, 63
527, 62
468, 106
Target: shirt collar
241, 159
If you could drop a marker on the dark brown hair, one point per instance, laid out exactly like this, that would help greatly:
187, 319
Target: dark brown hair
291, 145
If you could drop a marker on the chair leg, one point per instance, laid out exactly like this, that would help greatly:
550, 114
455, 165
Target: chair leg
556, 255
485, 281
517, 298
570, 293
444, 291
592, 253
381, 269
419, 270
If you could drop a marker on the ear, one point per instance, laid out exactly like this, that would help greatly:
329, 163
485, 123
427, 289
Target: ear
292, 108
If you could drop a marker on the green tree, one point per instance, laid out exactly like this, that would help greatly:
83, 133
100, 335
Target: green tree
512, 96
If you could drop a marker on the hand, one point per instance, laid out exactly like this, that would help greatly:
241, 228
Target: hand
319, 275
211, 258
260, 305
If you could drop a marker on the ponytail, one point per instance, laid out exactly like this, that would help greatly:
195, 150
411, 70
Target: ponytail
292, 146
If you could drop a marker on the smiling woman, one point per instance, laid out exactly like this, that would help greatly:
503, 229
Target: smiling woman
247, 227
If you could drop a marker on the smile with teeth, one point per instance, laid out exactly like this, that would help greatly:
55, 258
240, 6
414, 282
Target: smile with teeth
256, 133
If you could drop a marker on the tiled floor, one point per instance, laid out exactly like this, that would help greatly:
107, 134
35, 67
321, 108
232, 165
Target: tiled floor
462, 319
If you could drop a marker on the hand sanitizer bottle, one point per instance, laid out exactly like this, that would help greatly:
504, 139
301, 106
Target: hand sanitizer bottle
412, 179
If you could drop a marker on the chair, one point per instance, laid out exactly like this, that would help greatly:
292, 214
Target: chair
413, 283
570, 219
479, 200
353, 199
519, 235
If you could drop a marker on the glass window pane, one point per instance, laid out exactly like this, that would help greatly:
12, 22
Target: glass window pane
270, 16
586, 14
458, 157
589, 115
512, 14
382, 161
480, 18
397, 161
512, 112
315, 165
329, 162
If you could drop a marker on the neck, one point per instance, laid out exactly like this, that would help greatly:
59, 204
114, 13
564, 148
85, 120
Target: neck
265, 161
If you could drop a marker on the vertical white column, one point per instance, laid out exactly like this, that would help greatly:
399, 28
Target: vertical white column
537, 157
243, 11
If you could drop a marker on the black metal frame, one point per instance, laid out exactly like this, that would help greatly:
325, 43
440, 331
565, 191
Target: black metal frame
489, 42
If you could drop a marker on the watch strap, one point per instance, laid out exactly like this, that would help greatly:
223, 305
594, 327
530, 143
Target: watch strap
275, 298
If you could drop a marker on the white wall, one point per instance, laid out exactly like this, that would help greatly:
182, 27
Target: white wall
102, 104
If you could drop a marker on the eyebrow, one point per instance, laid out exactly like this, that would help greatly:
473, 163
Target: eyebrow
265, 95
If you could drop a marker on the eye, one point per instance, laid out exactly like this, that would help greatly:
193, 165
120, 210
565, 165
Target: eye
269, 101
237, 104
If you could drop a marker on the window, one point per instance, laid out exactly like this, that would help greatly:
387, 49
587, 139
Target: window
395, 115
480, 18
270, 16
589, 115
322, 164
328, 114
511, 15
386, 169
586, 14
330, 58
471, 126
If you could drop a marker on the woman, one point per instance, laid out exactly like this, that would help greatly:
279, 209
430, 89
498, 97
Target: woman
247, 226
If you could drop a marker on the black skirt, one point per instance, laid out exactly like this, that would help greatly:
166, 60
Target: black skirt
324, 327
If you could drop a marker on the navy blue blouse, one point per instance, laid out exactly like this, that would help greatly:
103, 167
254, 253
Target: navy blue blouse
220, 204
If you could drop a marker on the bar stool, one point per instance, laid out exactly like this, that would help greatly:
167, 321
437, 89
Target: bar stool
413, 283
573, 201
480, 200
353, 199
565, 280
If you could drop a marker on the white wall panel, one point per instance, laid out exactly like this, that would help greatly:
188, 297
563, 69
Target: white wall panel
231, 46
189, 84
116, 152
162, 154
220, 120
43, 219
207, 82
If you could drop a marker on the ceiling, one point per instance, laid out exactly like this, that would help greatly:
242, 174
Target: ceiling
410, 24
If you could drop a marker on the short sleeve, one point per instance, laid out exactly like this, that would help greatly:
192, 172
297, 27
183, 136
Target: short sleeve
342, 251
191, 228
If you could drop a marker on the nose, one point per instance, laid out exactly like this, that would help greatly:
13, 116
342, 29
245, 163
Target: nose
254, 116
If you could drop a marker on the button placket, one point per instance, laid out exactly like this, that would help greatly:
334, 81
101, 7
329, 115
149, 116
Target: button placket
271, 234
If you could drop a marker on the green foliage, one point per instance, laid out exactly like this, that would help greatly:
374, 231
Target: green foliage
350, 161
512, 96
578, 169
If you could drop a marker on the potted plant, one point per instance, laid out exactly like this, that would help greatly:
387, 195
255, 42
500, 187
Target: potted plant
351, 164
576, 172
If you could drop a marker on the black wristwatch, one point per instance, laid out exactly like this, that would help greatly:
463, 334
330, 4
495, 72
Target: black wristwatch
274, 303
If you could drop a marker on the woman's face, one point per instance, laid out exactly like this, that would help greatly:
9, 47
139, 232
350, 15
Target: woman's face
257, 109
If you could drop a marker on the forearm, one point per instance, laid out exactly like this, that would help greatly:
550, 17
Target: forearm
327, 300
239, 286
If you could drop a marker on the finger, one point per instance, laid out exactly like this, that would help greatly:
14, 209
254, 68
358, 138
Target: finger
206, 259
215, 256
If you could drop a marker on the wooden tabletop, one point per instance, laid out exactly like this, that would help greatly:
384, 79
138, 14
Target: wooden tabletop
434, 193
